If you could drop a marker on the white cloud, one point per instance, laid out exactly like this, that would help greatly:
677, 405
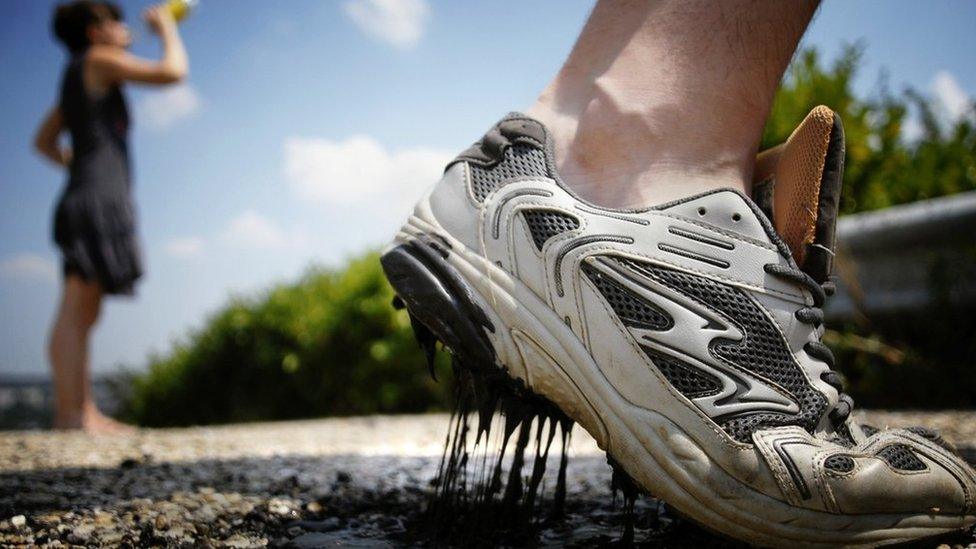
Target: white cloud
360, 170
162, 109
251, 230
950, 105
398, 22
185, 248
911, 129
950, 102
29, 266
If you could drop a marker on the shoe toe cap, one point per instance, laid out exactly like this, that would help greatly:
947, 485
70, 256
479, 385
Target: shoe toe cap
899, 471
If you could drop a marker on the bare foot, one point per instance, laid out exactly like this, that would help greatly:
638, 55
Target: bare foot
94, 422
98, 423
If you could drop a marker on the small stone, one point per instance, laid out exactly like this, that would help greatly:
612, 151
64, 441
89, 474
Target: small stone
18, 521
161, 522
81, 534
50, 519
314, 507
104, 519
206, 513
110, 537
239, 542
279, 507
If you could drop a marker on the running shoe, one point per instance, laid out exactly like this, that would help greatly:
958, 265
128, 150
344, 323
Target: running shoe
684, 337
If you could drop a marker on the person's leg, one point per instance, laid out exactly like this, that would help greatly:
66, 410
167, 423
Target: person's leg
74, 405
660, 99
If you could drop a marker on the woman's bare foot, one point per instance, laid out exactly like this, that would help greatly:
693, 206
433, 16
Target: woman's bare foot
101, 424
94, 422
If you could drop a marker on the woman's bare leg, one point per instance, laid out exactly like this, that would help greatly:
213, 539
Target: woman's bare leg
660, 99
74, 405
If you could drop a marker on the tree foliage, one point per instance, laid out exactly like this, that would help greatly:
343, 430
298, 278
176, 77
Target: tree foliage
884, 166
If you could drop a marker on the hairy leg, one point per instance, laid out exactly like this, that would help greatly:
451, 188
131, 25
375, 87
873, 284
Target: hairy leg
74, 405
660, 99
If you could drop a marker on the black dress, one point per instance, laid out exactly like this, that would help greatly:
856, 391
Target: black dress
95, 222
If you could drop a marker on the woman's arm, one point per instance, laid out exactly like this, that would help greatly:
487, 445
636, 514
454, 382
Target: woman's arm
46, 139
114, 66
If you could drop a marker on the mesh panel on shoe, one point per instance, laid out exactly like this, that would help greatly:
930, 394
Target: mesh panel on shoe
633, 310
869, 430
687, 379
520, 160
934, 436
923, 432
901, 457
842, 436
545, 224
762, 350
839, 463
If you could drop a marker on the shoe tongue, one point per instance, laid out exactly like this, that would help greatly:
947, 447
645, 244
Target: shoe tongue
798, 186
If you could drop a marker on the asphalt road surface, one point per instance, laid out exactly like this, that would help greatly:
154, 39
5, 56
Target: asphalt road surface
355, 482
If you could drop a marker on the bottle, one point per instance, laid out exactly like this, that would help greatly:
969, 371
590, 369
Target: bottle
180, 9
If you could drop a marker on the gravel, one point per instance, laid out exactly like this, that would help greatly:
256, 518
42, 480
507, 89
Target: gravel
350, 481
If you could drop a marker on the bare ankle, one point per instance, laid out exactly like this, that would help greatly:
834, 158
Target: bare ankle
662, 99
68, 420
619, 158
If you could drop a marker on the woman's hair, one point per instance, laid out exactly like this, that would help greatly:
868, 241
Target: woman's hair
72, 19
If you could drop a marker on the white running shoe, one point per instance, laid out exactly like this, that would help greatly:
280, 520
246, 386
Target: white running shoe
684, 337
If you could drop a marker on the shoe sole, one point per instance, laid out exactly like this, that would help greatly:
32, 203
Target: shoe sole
490, 319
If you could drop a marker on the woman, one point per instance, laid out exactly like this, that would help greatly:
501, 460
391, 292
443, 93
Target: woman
94, 224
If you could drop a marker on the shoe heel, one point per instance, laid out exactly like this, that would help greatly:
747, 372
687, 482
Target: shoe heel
464, 511
437, 297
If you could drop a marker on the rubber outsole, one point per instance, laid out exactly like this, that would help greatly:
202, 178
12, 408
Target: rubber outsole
436, 296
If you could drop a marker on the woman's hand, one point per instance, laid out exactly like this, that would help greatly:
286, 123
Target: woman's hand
113, 66
159, 19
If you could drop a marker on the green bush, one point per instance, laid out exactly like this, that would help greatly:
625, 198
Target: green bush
329, 344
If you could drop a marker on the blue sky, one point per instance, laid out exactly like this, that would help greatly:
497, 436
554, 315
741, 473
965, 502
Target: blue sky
307, 128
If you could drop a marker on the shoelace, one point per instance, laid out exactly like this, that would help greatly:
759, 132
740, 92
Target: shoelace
814, 316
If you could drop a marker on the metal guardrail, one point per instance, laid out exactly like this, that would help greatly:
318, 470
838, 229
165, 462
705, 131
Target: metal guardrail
906, 258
